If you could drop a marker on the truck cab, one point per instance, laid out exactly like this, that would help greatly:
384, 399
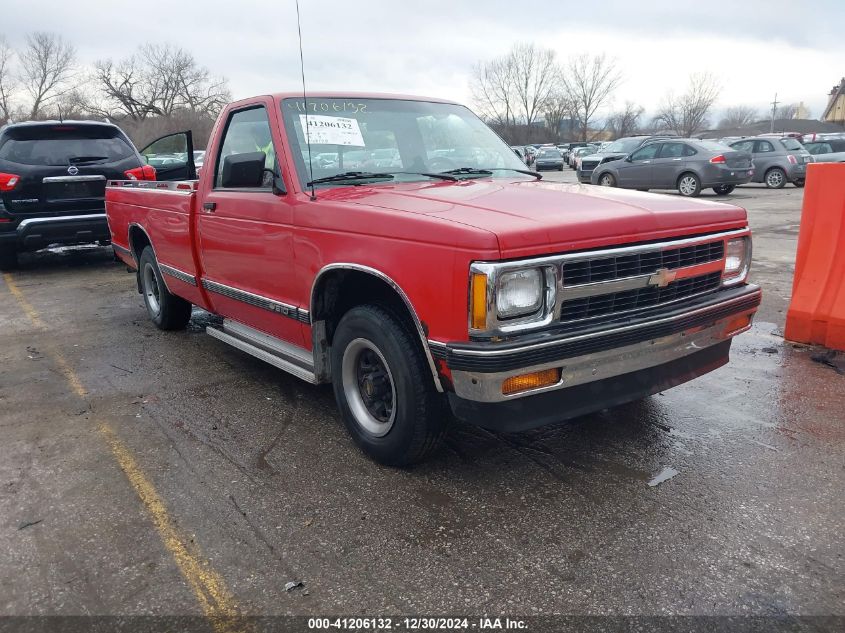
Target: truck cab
450, 282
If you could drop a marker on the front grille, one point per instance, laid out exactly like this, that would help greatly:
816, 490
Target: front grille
619, 266
589, 165
616, 302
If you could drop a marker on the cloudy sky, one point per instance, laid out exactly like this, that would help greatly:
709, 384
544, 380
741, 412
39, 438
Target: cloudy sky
754, 47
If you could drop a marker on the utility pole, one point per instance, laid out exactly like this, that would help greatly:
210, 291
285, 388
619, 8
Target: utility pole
774, 110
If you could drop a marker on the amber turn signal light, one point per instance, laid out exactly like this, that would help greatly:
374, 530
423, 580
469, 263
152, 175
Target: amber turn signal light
478, 301
534, 380
736, 324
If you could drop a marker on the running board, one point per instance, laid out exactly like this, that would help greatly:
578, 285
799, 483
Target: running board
290, 358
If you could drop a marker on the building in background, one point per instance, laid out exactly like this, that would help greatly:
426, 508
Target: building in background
835, 111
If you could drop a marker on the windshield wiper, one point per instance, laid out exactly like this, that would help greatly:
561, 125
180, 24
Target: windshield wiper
441, 176
488, 171
351, 176
85, 159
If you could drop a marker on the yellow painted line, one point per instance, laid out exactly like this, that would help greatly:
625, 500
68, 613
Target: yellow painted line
217, 602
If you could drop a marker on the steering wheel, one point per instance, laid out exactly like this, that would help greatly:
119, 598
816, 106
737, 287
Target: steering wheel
440, 163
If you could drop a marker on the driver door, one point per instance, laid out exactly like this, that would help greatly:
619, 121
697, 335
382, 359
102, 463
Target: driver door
636, 171
172, 156
245, 230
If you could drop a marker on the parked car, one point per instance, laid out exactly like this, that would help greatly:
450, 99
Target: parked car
52, 183
530, 154
827, 151
436, 285
777, 159
619, 148
548, 158
688, 165
570, 147
579, 152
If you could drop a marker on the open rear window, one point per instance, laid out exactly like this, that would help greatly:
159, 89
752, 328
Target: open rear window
49, 145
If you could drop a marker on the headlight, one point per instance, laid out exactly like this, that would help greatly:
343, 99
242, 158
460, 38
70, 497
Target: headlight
737, 261
519, 293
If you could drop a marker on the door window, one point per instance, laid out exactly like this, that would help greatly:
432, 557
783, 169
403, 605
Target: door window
763, 147
645, 153
248, 131
672, 150
744, 146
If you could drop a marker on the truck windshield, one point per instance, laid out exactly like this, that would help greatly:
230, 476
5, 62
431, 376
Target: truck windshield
406, 138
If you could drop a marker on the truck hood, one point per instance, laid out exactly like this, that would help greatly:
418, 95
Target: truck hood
536, 217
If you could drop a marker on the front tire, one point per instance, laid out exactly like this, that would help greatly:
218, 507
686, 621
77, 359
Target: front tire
166, 310
723, 190
689, 185
799, 184
775, 178
383, 387
607, 180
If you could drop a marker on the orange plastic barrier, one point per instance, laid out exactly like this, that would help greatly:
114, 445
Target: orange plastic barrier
817, 310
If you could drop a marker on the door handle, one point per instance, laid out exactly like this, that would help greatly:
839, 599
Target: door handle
676, 159
209, 206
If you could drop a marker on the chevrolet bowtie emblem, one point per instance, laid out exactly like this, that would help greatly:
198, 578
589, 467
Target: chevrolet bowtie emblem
662, 278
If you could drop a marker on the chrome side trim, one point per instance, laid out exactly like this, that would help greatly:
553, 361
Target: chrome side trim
121, 249
48, 179
557, 341
61, 218
181, 275
184, 187
279, 353
252, 299
487, 387
377, 273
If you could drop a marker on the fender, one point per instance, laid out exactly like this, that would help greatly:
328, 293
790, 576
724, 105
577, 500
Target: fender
398, 289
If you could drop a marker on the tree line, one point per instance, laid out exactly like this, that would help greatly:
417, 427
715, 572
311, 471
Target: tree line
529, 95
157, 89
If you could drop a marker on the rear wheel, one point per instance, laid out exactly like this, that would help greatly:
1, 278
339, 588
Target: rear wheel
166, 310
8, 259
775, 178
689, 185
607, 180
383, 387
723, 190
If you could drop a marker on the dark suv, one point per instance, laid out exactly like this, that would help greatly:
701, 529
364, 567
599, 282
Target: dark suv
52, 182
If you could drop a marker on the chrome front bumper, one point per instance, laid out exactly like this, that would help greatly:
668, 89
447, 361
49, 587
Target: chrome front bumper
478, 371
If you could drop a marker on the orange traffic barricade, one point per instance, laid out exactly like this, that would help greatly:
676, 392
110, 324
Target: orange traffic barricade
817, 310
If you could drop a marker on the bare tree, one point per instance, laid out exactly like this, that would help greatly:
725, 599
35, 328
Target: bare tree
157, 81
7, 80
787, 111
512, 91
739, 116
591, 82
47, 66
687, 114
557, 109
625, 122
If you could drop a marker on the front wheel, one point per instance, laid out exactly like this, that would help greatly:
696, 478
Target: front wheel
689, 185
723, 190
607, 180
799, 184
775, 178
166, 310
383, 387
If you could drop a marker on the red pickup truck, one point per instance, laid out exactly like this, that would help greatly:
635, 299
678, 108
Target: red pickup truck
397, 248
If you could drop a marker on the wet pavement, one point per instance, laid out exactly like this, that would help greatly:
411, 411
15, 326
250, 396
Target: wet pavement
144, 472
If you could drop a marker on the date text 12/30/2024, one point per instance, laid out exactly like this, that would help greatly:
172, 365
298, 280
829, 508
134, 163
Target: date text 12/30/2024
418, 624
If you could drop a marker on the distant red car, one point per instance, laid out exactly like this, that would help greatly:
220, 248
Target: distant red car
453, 279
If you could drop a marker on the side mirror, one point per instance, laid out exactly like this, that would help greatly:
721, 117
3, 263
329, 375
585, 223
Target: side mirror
243, 170
628, 159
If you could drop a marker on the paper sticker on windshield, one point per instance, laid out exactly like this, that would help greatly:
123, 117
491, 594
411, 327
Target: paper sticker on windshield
332, 130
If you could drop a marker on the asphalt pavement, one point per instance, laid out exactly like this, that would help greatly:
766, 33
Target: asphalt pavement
144, 472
